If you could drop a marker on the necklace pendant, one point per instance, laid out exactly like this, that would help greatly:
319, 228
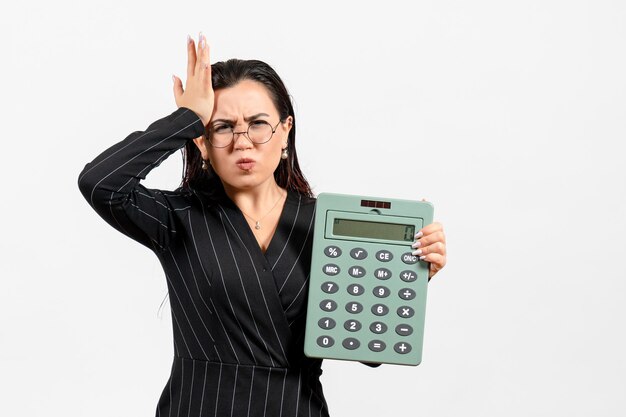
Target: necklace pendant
257, 226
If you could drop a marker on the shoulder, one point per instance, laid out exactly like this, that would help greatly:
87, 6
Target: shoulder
301, 200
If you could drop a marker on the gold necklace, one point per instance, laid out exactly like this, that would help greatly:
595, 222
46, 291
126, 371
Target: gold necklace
258, 222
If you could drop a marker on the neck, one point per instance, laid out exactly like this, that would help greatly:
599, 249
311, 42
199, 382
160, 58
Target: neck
256, 200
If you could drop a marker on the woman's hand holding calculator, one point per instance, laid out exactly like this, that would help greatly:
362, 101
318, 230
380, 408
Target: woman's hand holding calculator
430, 245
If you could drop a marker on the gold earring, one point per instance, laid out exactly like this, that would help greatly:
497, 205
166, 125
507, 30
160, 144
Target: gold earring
284, 154
205, 166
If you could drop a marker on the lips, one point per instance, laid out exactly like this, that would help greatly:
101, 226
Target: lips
245, 163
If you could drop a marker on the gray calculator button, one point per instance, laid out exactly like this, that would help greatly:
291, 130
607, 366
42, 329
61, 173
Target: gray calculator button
408, 276
405, 312
330, 287
404, 329
382, 273
331, 269
406, 294
355, 289
381, 292
358, 253
378, 327
402, 347
351, 343
354, 307
326, 323
376, 345
332, 251
328, 305
384, 255
380, 309
356, 271
409, 258
325, 341
352, 325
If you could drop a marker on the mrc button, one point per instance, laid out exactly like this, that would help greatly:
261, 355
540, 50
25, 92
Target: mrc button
384, 255
331, 269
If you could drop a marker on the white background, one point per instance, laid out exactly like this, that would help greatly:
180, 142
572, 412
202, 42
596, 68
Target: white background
508, 116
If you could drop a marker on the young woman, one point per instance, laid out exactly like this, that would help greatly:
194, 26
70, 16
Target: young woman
234, 239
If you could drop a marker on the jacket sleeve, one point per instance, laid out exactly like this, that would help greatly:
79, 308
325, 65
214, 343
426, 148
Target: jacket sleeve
111, 182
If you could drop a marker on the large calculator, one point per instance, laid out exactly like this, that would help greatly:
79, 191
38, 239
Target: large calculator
367, 291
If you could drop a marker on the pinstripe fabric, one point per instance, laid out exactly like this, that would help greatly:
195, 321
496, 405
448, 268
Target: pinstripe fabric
238, 314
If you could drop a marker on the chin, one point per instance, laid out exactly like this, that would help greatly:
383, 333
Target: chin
246, 181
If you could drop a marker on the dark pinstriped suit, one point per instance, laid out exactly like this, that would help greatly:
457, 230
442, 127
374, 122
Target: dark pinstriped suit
238, 315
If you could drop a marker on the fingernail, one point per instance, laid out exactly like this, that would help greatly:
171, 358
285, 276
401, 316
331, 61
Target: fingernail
419, 234
416, 244
417, 252
173, 79
188, 39
201, 41
422, 257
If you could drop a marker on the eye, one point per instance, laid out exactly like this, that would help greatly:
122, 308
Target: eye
221, 128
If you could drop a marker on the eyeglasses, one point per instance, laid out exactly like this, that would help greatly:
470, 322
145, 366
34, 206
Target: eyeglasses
258, 132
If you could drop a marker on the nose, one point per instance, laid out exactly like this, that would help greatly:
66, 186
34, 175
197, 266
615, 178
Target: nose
242, 144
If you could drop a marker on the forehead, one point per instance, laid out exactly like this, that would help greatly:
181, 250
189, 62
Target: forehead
245, 98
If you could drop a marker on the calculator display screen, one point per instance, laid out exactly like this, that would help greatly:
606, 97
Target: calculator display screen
373, 230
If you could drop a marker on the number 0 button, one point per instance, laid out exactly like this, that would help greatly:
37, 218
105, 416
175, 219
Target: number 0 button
325, 341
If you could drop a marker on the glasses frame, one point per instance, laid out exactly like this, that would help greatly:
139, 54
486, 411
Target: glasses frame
246, 134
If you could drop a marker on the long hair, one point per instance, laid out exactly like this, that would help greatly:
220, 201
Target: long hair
226, 74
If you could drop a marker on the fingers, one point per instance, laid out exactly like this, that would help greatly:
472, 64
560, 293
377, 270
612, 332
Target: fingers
202, 63
191, 57
431, 247
432, 228
178, 86
437, 262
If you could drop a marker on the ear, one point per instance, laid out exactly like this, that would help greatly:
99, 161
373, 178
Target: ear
287, 126
201, 143
289, 121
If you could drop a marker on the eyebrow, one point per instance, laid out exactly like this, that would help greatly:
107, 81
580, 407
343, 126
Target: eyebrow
247, 119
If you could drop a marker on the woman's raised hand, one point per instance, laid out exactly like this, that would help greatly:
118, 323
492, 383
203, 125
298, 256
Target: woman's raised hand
198, 94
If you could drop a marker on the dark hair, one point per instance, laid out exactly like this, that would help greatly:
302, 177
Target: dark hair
226, 74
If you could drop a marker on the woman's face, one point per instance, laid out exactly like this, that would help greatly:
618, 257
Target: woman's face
246, 99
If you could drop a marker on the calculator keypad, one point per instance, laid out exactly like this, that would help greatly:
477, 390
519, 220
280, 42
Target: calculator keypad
354, 280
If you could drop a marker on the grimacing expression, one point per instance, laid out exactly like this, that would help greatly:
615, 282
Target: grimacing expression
245, 99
